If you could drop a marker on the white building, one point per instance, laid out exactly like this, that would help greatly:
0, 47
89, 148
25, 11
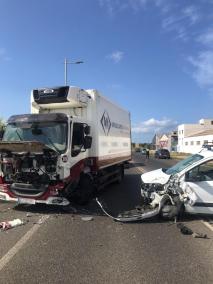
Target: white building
194, 143
191, 137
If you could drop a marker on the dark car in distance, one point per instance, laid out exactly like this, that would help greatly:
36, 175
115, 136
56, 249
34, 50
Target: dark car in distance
162, 154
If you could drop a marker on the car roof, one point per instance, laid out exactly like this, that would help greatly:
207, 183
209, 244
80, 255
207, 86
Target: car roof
206, 153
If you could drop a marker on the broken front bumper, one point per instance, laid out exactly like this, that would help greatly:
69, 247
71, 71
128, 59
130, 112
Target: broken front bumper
140, 215
52, 200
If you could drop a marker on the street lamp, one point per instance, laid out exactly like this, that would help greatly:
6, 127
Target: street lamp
65, 67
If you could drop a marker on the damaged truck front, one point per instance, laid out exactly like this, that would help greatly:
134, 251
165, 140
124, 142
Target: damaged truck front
30, 154
187, 186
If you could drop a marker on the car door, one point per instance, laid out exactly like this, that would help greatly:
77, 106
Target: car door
200, 180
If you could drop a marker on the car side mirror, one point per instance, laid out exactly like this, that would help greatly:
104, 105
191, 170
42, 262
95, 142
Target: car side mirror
87, 142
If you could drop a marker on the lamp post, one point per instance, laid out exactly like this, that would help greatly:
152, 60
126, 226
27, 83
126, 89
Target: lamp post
66, 62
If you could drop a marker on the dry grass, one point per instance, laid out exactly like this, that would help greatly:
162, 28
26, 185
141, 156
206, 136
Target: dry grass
179, 156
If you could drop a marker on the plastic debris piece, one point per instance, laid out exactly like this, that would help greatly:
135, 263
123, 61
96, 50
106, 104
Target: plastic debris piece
199, 235
39, 222
87, 218
184, 229
11, 224
187, 231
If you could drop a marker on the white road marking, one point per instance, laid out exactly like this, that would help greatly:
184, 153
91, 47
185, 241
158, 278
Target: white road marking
139, 170
18, 246
207, 225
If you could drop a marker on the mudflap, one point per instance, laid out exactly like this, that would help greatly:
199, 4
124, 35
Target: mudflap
140, 216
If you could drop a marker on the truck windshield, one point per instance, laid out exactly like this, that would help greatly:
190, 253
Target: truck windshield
183, 164
52, 134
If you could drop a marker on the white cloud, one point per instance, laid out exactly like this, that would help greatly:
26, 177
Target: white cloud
115, 6
206, 38
203, 64
116, 56
181, 22
153, 125
176, 19
192, 14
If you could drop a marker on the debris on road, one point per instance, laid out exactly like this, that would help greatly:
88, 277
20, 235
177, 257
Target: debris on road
41, 220
184, 229
87, 218
5, 225
187, 231
139, 215
199, 235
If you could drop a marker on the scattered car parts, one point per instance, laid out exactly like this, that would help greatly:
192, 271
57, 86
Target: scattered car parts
5, 225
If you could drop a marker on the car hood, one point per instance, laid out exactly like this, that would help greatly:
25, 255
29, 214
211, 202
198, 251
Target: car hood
156, 176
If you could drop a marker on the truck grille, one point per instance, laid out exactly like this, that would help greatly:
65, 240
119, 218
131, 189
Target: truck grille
24, 190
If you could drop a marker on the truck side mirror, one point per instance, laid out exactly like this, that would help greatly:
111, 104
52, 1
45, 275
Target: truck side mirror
1, 134
87, 130
87, 142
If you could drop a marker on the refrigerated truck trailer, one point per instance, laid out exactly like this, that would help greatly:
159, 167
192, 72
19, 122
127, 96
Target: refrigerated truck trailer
73, 143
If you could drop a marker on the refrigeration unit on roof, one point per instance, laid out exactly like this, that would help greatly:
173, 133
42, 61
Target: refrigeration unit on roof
59, 97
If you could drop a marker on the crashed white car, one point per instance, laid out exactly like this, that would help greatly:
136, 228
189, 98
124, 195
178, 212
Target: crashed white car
187, 186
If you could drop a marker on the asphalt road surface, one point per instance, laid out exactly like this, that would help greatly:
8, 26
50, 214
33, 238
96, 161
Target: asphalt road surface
57, 246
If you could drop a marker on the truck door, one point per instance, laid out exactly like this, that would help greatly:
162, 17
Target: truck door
200, 180
78, 151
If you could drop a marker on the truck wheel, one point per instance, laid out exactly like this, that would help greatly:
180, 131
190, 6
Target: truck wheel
84, 190
121, 174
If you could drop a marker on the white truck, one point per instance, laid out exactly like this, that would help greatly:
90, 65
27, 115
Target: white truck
74, 142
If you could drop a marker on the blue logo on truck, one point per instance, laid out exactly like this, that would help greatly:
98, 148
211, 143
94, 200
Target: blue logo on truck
105, 122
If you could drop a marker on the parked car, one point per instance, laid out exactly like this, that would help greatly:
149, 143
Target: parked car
143, 151
137, 149
162, 154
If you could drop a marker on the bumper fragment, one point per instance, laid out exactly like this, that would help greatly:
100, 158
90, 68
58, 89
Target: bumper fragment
141, 215
52, 200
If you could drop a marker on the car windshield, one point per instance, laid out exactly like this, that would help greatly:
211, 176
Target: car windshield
183, 164
52, 134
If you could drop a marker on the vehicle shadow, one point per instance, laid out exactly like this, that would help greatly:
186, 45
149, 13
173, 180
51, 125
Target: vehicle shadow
136, 164
93, 209
115, 199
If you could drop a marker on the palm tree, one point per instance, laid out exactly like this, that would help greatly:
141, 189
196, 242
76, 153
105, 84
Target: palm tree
2, 123
2, 127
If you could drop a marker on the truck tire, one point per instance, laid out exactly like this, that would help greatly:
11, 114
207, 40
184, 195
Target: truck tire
84, 190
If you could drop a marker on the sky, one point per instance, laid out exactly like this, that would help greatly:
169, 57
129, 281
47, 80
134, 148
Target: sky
152, 57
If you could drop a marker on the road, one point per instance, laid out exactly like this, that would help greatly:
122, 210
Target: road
57, 246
